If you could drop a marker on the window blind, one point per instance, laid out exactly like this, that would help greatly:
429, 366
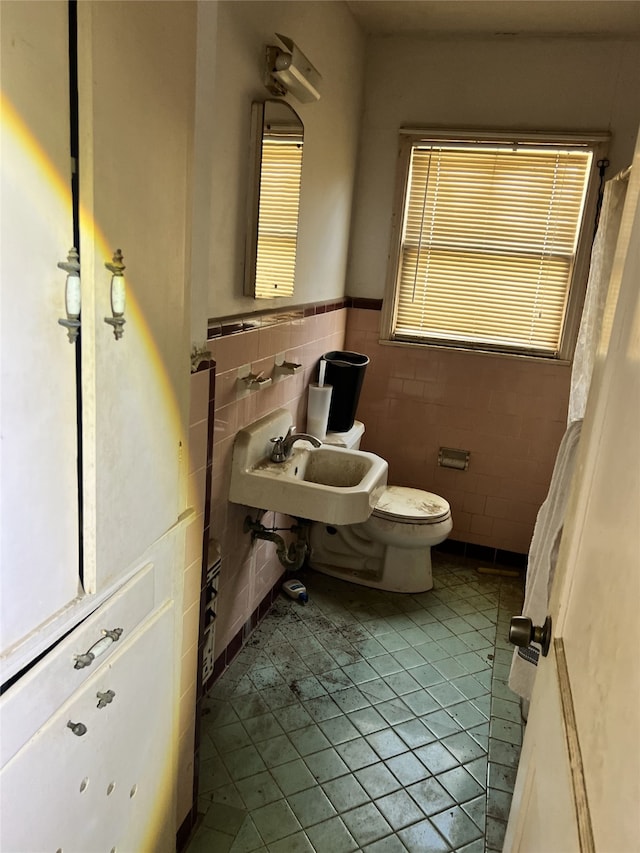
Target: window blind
488, 244
280, 173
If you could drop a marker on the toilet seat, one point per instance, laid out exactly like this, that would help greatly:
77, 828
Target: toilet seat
411, 506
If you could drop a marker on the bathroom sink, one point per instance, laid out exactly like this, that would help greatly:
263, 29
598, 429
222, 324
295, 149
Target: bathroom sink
330, 484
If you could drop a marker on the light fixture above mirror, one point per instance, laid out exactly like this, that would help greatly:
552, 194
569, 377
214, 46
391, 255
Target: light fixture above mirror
289, 71
277, 138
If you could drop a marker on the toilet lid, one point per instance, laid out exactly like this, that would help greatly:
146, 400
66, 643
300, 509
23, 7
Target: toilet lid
400, 503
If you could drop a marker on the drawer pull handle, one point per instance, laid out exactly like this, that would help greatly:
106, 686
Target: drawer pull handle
105, 698
97, 648
78, 729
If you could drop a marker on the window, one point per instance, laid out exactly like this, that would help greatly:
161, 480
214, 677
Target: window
278, 219
486, 243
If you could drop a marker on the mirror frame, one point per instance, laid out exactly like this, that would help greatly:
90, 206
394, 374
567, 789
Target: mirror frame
258, 125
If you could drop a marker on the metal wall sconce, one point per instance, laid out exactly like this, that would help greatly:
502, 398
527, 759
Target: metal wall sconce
72, 296
118, 294
291, 71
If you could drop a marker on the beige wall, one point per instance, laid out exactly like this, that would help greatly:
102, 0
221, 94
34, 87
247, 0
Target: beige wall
510, 413
231, 43
538, 84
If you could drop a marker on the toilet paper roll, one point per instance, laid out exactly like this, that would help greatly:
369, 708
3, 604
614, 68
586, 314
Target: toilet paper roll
318, 409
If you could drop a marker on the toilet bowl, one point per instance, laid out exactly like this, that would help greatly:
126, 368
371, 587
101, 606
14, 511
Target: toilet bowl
391, 550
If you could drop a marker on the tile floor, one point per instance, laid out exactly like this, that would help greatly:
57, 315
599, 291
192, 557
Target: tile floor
367, 721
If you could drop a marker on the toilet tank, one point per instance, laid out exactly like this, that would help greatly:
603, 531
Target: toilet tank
350, 439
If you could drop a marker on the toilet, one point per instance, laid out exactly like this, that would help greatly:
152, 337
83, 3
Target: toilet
391, 550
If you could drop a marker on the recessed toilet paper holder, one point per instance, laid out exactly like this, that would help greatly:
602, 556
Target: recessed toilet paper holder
449, 457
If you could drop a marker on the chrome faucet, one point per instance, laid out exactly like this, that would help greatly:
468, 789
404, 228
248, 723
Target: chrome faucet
282, 447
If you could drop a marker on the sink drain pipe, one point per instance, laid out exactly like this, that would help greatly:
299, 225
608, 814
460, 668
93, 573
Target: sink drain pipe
291, 556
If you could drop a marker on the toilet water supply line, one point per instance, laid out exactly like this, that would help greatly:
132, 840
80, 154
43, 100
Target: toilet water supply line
292, 556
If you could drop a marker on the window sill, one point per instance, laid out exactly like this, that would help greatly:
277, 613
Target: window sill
561, 362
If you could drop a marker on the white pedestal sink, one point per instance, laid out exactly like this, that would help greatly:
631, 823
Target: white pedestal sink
329, 484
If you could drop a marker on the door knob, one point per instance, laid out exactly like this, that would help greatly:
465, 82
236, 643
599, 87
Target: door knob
522, 631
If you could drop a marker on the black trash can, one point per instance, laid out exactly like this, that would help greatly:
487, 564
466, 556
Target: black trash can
345, 372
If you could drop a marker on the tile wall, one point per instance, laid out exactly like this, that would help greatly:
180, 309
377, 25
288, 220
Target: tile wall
250, 571
508, 412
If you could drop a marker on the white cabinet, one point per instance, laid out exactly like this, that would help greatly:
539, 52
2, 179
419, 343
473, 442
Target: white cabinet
136, 67
39, 573
98, 545
110, 787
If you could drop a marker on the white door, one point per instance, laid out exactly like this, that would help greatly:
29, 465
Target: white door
38, 423
578, 784
136, 89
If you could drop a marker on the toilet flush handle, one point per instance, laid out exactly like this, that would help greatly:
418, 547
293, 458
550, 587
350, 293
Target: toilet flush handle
522, 631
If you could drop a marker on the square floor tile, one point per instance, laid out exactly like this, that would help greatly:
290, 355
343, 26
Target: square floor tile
504, 753
456, 826
377, 780
377, 690
399, 809
477, 810
506, 731
409, 658
350, 699
407, 768
357, 754
395, 711
230, 737
263, 727
309, 740
463, 747
277, 750
307, 688
311, 806
296, 843
390, 844
422, 837
293, 717
293, 776
420, 702
345, 793
334, 680
402, 682
258, 790
247, 840
430, 796
326, 765
360, 672
393, 642
386, 743
322, 707
367, 720
460, 784
331, 836
275, 821
446, 694
244, 762
436, 757
414, 733
385, 664
339, 729
366, 824
225, 818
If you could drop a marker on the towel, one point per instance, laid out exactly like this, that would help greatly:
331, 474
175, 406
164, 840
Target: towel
543, 556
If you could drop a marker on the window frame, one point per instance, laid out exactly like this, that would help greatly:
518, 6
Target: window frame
410, 137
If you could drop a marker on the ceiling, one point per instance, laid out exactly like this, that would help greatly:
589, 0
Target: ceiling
498, 17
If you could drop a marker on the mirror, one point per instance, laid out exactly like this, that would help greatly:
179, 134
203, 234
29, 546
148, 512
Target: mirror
277, 136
